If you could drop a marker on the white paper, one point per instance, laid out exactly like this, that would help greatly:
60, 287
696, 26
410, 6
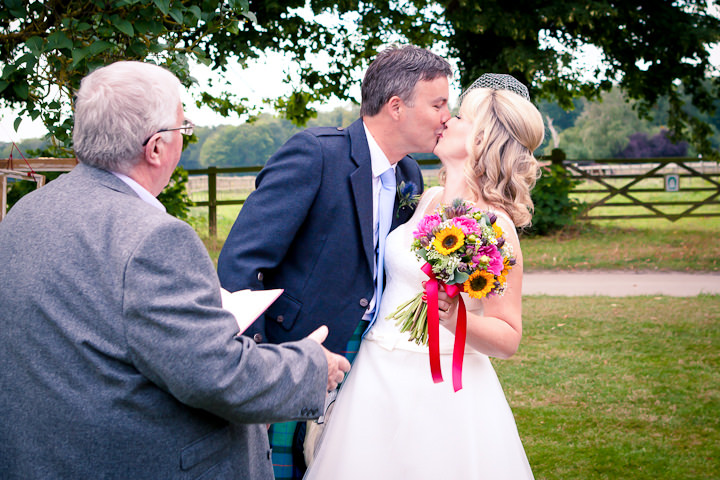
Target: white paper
248, 305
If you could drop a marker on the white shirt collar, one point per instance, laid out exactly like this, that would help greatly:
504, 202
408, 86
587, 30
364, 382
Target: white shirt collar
378, 159
144, 195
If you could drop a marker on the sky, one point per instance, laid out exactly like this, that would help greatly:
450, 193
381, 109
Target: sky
260, 79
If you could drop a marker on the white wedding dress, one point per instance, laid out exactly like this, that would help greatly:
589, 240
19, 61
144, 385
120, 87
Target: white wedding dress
390, 421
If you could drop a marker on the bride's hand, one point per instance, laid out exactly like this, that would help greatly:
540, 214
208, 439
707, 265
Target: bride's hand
447, 309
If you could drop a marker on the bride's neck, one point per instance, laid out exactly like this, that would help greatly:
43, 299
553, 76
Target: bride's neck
455, 186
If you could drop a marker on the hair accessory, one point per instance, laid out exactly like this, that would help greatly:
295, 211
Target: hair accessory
498, 81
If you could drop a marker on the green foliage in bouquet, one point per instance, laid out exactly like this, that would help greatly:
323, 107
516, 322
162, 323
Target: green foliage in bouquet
554, 209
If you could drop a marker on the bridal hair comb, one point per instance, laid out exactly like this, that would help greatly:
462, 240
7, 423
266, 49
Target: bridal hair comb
498, 81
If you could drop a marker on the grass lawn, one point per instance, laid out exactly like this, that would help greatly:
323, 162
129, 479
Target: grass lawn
689, 244
615, 388
685, 245
611, 388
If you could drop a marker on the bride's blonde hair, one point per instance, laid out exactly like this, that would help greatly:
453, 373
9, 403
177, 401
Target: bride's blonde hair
506, 130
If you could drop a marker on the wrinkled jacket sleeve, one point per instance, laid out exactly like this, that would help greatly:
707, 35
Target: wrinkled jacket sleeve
180, 338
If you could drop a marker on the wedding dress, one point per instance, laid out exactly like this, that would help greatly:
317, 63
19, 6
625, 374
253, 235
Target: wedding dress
390, 421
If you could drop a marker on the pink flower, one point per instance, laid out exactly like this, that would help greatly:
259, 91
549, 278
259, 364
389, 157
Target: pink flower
493, 259
467, 225
426, 225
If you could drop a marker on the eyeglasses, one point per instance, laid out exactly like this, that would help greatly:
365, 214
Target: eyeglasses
186, 129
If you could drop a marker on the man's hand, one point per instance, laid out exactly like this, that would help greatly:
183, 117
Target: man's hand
338, 365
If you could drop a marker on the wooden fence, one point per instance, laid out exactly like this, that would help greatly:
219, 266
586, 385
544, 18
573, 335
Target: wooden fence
22, 169
600, 178
648, 185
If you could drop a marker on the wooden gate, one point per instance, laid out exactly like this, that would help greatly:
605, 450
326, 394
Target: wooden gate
669, 188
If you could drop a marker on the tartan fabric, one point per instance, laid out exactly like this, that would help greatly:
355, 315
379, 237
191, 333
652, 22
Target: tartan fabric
282, 435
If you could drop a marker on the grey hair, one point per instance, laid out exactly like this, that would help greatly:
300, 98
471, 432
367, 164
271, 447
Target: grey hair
395, 72
117, 107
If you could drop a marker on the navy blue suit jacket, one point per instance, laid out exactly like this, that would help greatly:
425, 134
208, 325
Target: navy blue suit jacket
308, 228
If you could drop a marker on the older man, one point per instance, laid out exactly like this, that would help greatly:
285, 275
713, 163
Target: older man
117, 358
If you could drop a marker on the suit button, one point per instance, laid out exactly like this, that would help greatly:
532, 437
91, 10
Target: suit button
364, 302
280, 319
257, 337
260, 276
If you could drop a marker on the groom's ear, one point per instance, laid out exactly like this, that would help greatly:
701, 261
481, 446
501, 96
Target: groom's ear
394, 107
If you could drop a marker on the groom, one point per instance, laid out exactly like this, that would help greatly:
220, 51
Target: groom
311, 225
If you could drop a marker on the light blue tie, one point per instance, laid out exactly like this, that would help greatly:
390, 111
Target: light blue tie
386, 203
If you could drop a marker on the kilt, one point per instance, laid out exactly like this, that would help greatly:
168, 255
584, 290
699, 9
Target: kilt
286, 439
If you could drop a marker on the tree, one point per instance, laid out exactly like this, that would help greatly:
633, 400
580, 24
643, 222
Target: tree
660, 145
603, 128
47, 47
652, 49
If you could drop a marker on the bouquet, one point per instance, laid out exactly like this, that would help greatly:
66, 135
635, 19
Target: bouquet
463, 247
464, 250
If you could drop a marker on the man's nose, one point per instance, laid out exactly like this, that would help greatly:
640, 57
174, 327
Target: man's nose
446, 114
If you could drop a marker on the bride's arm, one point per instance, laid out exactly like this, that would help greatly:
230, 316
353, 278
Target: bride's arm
494, 324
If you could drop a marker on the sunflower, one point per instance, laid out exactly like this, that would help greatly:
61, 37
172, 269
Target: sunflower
479, 284
449, 240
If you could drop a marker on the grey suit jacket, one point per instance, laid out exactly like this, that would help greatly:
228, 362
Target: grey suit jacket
116, 358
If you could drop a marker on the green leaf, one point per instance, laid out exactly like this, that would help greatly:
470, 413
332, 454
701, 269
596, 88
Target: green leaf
18, 120
82, 26
195, 10
163, 5
35, 45
177, 15
3, 85
122, 25
58, 40
21, 89
79, 54
9, 69
98, 47
460, 277
16, 8
251, 16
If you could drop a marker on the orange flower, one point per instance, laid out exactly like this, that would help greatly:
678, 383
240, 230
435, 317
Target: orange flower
498, 230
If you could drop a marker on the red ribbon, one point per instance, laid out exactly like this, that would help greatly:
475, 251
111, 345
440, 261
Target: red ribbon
433, 319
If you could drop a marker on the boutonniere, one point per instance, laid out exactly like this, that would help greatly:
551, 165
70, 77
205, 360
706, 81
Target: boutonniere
407, 195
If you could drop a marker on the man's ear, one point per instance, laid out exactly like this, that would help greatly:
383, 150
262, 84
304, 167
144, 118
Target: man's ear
153, 151
394, 106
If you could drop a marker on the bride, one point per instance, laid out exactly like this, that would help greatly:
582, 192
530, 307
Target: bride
390, 420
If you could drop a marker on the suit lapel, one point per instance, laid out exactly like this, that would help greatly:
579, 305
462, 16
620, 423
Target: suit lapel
361, 181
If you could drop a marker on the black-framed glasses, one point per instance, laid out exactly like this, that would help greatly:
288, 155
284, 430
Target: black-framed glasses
186, 129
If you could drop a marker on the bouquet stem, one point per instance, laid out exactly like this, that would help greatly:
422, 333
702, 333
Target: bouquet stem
411, 316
